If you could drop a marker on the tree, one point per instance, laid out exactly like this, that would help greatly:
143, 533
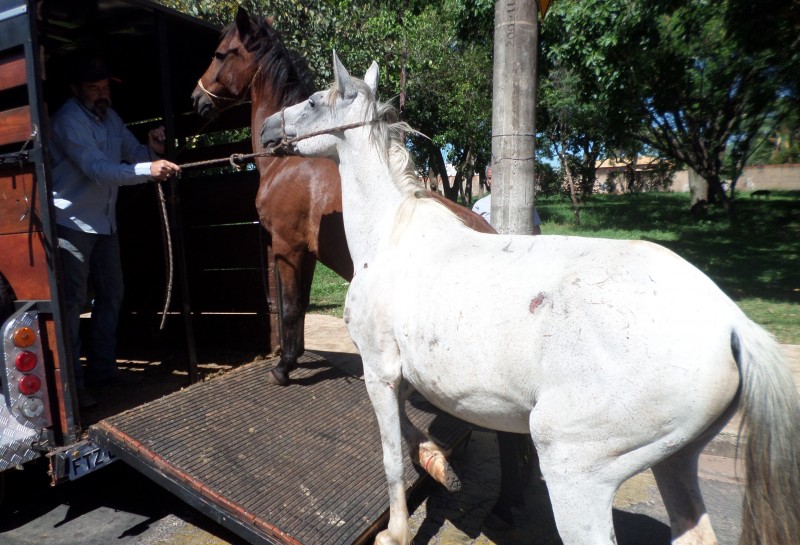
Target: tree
583, 114
678, 76
772, 28
714, 97
449, 93
778, 139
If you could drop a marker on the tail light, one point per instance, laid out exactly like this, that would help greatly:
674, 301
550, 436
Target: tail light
25, 371
25, 361
24, 337
29, 385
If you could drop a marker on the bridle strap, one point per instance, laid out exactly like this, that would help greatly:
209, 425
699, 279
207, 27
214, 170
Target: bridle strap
283, 146
213, 96
233, 100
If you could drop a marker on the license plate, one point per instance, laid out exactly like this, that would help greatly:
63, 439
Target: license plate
85, 458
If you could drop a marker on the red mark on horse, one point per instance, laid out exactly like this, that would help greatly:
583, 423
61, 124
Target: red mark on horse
535, 302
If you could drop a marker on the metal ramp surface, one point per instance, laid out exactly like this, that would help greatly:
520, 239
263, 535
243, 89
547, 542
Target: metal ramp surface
295, 465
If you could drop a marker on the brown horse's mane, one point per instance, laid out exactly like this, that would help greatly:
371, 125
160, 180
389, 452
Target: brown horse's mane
285, 70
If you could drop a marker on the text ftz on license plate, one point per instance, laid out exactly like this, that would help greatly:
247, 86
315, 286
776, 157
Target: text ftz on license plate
85, 458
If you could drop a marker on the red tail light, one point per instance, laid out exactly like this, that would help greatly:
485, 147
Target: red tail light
25, 361
29, 385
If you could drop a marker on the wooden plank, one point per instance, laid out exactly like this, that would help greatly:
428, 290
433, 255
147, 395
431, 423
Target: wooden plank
240, 290
15, 125
16, 203
12, 71
219, 199
24, 264
226, 247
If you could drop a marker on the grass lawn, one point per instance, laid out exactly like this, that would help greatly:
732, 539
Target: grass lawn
755, 260
327, 292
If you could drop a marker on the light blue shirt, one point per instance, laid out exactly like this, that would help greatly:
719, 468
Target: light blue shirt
87, 155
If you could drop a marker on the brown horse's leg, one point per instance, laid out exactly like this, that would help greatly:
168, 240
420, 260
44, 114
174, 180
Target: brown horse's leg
518, 461
294, 275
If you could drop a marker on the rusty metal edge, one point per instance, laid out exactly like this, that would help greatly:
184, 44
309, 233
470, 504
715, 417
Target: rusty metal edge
223, 511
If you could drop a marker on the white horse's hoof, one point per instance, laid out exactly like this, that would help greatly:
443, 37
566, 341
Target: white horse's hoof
386, 538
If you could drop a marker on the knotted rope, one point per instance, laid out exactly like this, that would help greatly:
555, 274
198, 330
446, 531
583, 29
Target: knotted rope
276, 149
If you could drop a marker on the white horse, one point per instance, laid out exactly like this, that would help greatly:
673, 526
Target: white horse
616, 356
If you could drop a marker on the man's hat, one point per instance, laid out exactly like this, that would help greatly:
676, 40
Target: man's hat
91, 69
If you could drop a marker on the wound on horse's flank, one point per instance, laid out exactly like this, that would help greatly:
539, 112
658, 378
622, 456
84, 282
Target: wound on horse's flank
535, 302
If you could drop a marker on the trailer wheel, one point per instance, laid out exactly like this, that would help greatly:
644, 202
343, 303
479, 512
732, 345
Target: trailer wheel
7, 299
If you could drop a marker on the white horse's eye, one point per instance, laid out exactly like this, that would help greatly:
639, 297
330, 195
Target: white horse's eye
311, 103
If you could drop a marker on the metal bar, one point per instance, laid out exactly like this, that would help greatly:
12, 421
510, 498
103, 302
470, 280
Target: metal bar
13, 12
174, 200
69, 422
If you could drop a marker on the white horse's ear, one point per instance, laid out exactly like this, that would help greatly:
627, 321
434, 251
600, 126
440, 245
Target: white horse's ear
344, 83
371, 77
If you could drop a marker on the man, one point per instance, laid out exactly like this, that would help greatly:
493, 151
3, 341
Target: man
88, 146
484, 206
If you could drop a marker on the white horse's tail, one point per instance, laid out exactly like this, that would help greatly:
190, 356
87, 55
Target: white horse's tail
770, 408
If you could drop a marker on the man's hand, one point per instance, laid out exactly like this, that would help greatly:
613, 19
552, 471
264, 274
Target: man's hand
163, 170
156, 139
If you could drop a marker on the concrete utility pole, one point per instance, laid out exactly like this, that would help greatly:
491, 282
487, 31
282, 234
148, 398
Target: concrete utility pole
516, 34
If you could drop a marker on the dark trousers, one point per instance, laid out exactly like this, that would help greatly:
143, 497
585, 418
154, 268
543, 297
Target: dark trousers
91, 260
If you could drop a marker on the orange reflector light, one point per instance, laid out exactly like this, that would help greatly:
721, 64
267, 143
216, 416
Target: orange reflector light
24, 337
25, 361
29, 385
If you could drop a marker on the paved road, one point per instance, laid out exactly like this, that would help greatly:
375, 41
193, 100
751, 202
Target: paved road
117, 505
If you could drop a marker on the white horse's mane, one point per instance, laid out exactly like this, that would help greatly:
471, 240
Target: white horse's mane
387, 136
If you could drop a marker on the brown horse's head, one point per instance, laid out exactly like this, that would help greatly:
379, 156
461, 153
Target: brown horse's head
227, 80
250, 53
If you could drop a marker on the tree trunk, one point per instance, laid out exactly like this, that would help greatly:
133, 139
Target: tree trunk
439, 167
513, 115
588, 171
458, 185
467, 171
573, 194
698, 191
715, 188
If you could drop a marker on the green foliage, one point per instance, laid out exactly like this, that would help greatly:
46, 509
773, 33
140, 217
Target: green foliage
687, 79
778, 139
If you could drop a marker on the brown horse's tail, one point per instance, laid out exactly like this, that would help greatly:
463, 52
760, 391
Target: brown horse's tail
770, 408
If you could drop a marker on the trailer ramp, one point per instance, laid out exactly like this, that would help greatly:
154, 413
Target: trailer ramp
295, 465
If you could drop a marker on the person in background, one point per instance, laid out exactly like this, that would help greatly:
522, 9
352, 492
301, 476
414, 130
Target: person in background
484, 206
93, 153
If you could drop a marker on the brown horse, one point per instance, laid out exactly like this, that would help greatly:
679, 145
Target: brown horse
299, 200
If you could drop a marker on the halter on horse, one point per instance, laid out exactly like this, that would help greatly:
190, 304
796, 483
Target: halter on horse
616, 356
